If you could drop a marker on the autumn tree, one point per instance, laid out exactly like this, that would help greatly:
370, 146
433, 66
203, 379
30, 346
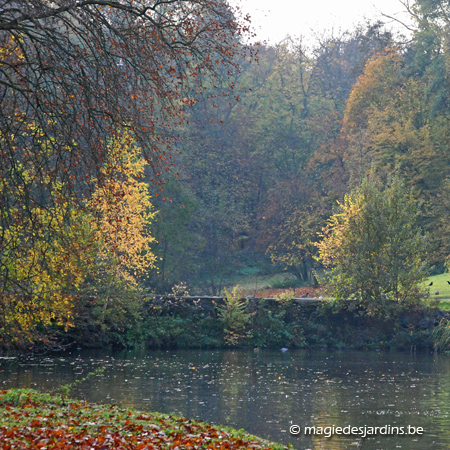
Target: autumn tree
41, 274
44, 249
65, 254
389, 122
76, 74
373, 245
119, 221
122, 212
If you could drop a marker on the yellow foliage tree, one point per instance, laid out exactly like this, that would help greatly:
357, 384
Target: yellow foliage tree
43, 246
43, 265
120, 216
51, 252
122, 212
373, 245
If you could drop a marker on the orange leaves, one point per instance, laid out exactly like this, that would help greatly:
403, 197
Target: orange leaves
104, 427
373, 88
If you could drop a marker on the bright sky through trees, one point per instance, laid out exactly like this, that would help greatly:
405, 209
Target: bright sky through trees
274, 20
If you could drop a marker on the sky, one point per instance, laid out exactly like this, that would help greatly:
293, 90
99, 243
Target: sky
273, 20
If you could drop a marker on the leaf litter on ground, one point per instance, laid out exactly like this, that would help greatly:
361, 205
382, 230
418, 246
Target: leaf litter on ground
29, 419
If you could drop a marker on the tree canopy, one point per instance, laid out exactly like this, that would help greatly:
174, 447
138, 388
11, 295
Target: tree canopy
142, 134
76, 78
373, 244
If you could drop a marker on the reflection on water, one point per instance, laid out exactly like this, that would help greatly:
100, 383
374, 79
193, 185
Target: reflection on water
266, 392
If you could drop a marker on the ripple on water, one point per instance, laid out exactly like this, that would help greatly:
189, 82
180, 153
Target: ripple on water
266, 392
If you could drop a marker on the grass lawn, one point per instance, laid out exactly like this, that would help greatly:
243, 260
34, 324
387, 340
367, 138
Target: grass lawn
444, 306
251, 283
29, 419
439, 284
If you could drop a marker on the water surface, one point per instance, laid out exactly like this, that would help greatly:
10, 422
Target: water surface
265, 392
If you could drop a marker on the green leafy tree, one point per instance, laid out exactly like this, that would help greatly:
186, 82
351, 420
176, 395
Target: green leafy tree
300, 101
373, 244
217, 187
262, 168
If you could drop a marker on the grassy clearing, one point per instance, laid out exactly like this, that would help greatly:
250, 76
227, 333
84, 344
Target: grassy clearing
439, 284
30, 419
253, 282
444, 305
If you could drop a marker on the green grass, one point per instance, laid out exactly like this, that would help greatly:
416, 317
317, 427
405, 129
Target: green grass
439, 284
250, 280
444, 306
256, 281
31, 419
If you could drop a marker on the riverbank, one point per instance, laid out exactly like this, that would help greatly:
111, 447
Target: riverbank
30, 419
309, 321
170, 323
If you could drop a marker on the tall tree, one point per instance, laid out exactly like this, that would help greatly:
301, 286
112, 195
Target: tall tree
390, 120
64, 252
373, 244
75, 73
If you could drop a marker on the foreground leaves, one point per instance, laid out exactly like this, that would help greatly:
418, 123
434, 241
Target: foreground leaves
33, 420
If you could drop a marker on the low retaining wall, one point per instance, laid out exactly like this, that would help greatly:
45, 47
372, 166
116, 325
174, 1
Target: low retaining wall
194, 299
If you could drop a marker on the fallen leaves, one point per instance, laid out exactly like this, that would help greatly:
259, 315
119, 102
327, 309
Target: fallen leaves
41, 421
311, 291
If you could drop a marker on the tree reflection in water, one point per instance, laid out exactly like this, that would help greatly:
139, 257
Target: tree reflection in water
264, 392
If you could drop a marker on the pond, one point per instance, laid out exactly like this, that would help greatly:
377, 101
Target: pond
266, 392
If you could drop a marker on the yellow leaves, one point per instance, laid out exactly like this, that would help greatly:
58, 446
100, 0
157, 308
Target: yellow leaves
42, 255
372, 88
334, 235
38, 269
123, 213
50, 250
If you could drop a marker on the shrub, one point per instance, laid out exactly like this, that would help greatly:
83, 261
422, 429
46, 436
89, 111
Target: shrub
235, 317
374, 247
441, 336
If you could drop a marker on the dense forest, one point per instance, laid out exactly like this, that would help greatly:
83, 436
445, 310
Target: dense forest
263, 168
146, 150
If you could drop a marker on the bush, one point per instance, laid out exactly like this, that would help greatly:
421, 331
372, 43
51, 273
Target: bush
235, 317
374, 247
441, 336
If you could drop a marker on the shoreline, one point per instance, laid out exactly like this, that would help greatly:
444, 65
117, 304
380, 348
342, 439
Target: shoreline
30, 419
